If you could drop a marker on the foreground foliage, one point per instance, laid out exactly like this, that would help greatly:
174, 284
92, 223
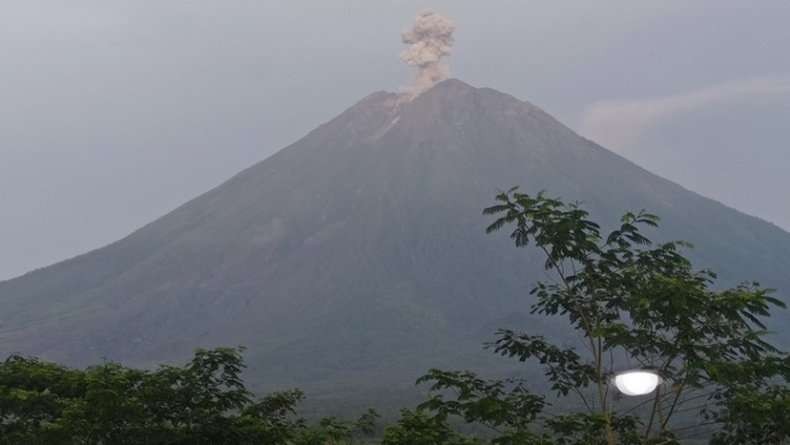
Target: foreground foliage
204, 402
634, 304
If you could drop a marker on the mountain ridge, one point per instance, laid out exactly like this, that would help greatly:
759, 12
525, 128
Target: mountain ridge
398, 97
357, 253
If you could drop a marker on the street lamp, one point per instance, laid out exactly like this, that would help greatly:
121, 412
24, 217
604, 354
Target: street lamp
637, 382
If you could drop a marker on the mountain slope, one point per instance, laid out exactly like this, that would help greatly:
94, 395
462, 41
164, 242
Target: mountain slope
358, 252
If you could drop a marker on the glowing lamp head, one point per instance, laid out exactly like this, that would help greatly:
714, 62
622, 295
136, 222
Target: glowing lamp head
637, 383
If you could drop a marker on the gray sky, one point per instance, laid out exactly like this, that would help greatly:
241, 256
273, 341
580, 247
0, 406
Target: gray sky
114, 112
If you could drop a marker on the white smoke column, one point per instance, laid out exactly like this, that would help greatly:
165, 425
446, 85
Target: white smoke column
429, 41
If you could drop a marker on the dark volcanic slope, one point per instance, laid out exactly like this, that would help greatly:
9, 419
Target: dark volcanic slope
359, 250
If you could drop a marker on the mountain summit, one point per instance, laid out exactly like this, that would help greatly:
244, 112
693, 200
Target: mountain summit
359, 251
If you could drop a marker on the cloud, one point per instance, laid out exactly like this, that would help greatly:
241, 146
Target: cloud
619, 124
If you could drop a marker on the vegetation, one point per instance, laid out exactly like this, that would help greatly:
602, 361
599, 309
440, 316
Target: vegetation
204, 402
633, 304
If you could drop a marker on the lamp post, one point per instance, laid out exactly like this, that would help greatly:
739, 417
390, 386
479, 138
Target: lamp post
637, 382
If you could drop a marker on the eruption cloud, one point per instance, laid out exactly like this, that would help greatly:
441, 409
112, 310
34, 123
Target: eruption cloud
429, 40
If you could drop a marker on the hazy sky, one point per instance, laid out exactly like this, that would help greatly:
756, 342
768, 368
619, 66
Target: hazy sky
114, 112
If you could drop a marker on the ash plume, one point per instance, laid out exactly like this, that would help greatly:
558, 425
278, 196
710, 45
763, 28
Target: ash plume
429, 40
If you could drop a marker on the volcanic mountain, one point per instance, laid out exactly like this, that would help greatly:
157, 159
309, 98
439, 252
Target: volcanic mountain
358, 253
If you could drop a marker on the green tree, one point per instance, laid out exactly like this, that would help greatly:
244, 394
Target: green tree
332, 431
634, 303
203, 402
419, 428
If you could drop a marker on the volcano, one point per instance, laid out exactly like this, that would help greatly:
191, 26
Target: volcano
358, 253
